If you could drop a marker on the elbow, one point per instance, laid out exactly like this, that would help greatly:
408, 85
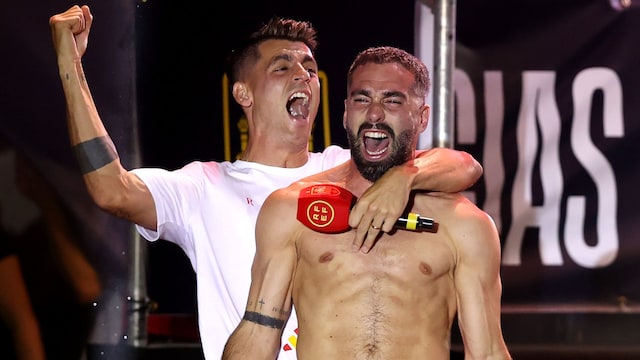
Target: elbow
474, 169
108, 198
109, 202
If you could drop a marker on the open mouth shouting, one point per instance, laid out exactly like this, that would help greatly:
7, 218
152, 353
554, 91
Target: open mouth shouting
376, 143
298, 106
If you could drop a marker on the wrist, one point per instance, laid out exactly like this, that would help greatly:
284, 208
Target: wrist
409, 172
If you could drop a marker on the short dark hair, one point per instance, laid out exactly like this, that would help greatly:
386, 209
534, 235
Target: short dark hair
274, 28
389, 54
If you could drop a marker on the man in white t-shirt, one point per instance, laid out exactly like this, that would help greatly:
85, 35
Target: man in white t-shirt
209, 208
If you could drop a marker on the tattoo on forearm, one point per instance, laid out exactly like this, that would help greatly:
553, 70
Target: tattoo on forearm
263, 320
95, 153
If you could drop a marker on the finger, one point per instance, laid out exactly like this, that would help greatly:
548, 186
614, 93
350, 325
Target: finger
387, 223
362, 231
372, 236
359, 238
356, 213
88, 18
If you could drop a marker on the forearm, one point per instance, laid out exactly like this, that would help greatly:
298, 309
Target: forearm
89, 138
443, 169
83, 119
249, 342
95, 152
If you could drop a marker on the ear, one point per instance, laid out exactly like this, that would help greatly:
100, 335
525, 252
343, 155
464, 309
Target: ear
344, 116
425, 112
242, 94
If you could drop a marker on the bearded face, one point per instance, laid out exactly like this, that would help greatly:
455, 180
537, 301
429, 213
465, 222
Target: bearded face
400, 150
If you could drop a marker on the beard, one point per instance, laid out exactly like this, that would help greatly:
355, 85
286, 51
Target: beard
400, 151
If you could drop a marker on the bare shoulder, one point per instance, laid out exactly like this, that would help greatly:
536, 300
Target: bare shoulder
463, 220
281, 205
277, 226
289, 193
458, 206
281, 200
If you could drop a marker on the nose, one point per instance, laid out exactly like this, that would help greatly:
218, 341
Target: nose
301, 73
375, 113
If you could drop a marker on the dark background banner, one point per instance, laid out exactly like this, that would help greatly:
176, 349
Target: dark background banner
545, 99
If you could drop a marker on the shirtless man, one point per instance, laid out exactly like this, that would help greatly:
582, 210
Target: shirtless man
209, 208
398, 301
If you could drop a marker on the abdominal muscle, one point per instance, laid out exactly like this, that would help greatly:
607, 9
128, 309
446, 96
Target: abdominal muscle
397, 302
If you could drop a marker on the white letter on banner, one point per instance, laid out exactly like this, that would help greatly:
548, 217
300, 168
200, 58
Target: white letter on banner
538, 98
493, 162
465, 114
604, 253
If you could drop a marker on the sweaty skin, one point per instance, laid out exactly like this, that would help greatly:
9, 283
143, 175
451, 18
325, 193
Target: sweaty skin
276, 73
352, 305
399, 300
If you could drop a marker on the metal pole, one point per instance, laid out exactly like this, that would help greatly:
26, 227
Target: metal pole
138, 302
444, 62
137, 298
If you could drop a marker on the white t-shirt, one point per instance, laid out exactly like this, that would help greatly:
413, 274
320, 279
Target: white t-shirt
210, 209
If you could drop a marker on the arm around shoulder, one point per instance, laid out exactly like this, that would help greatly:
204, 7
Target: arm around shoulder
446, 170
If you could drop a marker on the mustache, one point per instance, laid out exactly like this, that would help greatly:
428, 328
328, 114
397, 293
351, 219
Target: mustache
380, 126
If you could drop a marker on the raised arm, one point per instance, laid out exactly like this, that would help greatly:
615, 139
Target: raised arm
258, 335
478, 284
112, 188
437, 169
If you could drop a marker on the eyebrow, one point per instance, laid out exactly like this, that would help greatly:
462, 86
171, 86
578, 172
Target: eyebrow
386, 94
363, 92
390, 93
288, 57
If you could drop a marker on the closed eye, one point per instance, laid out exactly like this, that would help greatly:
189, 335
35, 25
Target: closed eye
362, 100
394, 101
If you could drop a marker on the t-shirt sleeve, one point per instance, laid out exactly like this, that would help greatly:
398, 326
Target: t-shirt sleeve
175, 194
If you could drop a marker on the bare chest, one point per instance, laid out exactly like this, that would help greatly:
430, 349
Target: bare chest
414, 256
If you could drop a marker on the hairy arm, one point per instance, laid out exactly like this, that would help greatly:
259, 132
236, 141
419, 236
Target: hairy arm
478, 284
437, 169
444, 170
269, 304
112, 187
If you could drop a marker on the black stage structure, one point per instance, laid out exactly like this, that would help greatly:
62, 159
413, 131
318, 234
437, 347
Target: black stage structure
521, 77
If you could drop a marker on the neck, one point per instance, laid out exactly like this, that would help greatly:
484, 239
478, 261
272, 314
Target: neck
279, 157
345, 175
